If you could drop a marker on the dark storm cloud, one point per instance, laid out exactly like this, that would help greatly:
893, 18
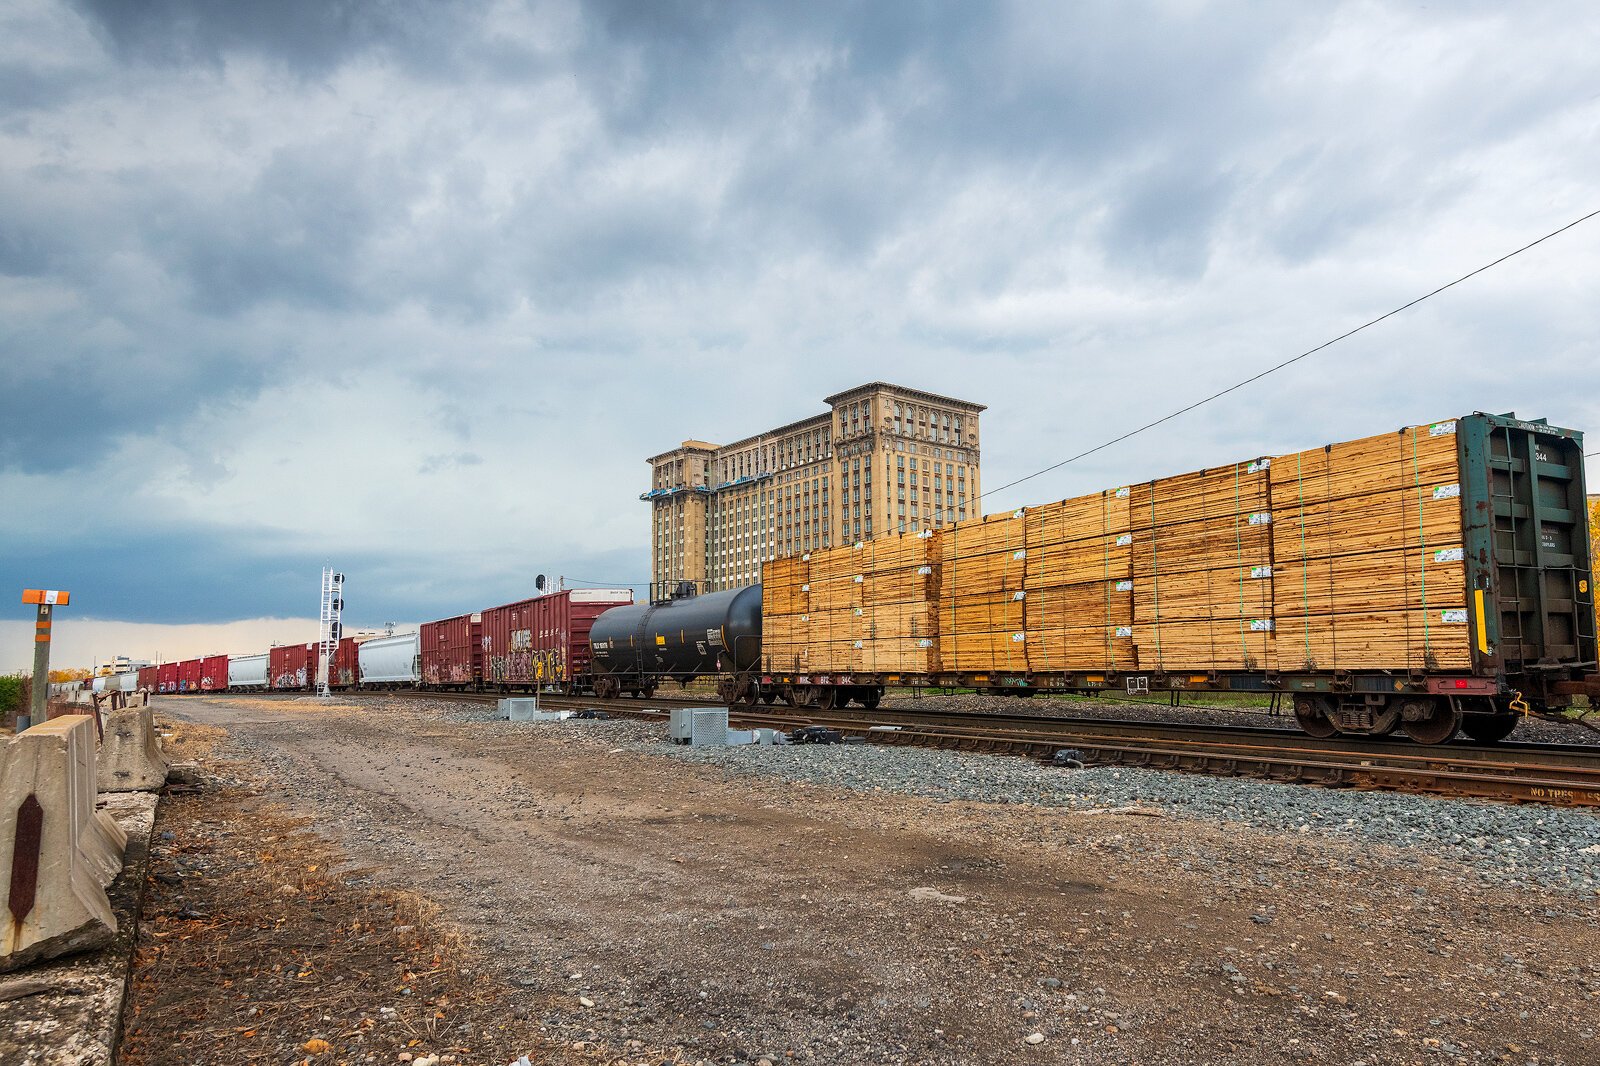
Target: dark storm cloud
313, 36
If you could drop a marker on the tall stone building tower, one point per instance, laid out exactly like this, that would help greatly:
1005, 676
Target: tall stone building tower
884, 458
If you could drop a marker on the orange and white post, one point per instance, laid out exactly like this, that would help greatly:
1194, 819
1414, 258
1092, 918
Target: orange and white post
48, 600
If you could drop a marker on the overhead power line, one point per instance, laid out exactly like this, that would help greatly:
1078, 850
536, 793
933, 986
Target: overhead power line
1290, 362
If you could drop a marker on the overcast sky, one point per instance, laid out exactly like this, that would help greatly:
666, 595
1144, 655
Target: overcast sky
416, 287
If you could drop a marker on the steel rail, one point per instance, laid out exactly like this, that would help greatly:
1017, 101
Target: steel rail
1560, 775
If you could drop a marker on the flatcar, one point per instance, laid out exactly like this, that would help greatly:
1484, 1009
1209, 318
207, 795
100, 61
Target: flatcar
1429, 580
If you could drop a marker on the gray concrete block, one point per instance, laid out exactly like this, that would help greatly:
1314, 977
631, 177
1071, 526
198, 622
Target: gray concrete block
47, 778
131, 759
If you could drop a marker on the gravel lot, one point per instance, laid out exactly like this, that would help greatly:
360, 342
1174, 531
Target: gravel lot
851, 905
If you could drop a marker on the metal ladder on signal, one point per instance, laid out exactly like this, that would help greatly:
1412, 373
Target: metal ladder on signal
332, 626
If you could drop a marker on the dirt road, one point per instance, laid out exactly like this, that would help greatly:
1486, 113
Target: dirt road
614, 895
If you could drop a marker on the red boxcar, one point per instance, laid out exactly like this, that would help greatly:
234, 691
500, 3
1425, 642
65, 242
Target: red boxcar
167, 677
147, 678
544, 640
452, 651
342, 670
292, 666
189, 675
213, 673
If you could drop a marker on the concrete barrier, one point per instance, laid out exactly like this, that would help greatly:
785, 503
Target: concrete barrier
131, 759
57, 853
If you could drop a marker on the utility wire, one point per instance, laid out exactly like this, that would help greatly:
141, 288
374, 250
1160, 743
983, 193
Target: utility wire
1290, 362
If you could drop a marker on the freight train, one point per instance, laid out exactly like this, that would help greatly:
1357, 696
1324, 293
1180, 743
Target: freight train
1430, 580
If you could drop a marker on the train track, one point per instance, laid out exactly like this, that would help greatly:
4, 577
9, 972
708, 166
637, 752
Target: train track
1562, 775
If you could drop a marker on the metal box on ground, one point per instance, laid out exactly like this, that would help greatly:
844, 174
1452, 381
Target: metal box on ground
709, 728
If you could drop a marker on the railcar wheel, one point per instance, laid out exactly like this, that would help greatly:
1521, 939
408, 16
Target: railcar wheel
647, 691
790, 697
749, 696
871, 697
827, 696
1312, 719
1488, 728
1436, 727
767, 696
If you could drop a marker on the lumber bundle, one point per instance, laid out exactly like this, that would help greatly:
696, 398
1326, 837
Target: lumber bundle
1345, 557
861, 607
1079, 605
982, 578
1369, 548
1202, 569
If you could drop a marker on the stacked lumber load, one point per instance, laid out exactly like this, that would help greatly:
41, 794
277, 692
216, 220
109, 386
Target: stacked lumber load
899, 628
833, 624
862, 607
1079, 604
982, 590
1202, 569
1368, 546
785, 607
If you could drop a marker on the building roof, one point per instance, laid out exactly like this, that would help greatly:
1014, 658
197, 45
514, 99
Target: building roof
916, 394
824, 417
686, 446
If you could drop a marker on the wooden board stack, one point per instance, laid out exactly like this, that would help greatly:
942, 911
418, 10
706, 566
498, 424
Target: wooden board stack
785, 609
1079, 604
1346, 557
899, 632
1367, 538
860, 607
1202, 569
982, 571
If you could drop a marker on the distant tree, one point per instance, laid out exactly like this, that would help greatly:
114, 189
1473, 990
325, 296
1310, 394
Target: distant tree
71, 673
14, 692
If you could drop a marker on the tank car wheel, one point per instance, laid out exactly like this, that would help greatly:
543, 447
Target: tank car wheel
1312, 719
1488, 728
1436, 727
647, 691
750, 696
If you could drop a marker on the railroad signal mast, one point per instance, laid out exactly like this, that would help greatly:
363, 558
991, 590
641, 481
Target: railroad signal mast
332, 625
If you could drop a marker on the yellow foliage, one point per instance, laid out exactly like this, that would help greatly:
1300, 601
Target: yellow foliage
73, 673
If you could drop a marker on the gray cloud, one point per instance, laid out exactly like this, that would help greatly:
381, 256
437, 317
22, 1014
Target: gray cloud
528, 245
